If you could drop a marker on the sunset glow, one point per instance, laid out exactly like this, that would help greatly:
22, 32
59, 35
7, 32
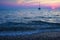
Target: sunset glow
52, 3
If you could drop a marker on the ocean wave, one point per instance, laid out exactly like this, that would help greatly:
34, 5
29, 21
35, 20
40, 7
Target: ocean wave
52, 16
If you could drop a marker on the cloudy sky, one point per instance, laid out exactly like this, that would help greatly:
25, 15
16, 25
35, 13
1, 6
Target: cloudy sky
52, 3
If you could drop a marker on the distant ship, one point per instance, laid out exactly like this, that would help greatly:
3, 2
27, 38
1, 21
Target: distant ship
39, 8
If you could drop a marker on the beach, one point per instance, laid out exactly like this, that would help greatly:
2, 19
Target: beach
38, 36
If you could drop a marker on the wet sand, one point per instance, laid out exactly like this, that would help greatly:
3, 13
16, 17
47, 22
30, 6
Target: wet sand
36, 36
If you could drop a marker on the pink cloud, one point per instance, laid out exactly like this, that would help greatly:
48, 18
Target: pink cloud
55, 5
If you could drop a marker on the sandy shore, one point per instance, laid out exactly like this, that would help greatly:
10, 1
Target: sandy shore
36, 36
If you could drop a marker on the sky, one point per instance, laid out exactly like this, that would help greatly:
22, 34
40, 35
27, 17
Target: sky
52, 3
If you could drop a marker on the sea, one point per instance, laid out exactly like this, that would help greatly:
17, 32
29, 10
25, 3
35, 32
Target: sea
28, 21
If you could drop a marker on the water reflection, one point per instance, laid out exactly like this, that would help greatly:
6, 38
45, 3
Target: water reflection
32, 14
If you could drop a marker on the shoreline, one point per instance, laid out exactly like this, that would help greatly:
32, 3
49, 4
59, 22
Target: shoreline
37, 36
